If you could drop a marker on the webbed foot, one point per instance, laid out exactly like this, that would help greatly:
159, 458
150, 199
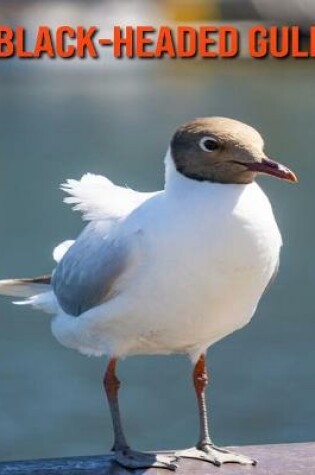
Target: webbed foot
132, 459
215, 455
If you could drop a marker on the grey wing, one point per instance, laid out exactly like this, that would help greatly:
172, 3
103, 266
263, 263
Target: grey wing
88, 273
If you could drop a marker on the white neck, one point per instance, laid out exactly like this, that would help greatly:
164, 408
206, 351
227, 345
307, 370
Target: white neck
175, 180
180, 186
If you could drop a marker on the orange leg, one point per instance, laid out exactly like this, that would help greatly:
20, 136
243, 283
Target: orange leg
123, 454
111, 386
200, 378
205, 450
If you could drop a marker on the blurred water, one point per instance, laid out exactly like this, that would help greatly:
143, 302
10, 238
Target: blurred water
57, 124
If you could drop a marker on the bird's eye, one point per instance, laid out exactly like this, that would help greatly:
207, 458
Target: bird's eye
209, 144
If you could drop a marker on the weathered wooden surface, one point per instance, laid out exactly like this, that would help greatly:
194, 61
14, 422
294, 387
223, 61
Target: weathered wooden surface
282, 459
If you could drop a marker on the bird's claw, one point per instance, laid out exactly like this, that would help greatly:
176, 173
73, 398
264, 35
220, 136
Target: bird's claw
215, 455
132, 459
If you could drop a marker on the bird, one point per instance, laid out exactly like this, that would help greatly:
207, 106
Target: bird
166, 272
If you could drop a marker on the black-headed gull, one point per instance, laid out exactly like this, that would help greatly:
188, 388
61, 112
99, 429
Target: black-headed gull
166, 272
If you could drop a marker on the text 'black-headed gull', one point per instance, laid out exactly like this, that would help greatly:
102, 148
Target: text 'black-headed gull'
167, 272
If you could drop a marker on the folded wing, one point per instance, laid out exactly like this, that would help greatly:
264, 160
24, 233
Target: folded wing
91, 271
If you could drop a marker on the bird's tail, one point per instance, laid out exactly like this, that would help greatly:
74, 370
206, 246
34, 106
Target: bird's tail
25, 287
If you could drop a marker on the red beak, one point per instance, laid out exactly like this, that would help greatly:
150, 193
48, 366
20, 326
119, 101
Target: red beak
269, 167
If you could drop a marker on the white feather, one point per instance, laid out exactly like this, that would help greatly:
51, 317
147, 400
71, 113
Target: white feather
61, 250
97, 198
46, 302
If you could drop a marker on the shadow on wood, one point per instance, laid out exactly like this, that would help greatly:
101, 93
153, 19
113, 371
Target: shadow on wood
282, 459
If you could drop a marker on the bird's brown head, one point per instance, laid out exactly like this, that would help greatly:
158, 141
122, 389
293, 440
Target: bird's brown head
223, 150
